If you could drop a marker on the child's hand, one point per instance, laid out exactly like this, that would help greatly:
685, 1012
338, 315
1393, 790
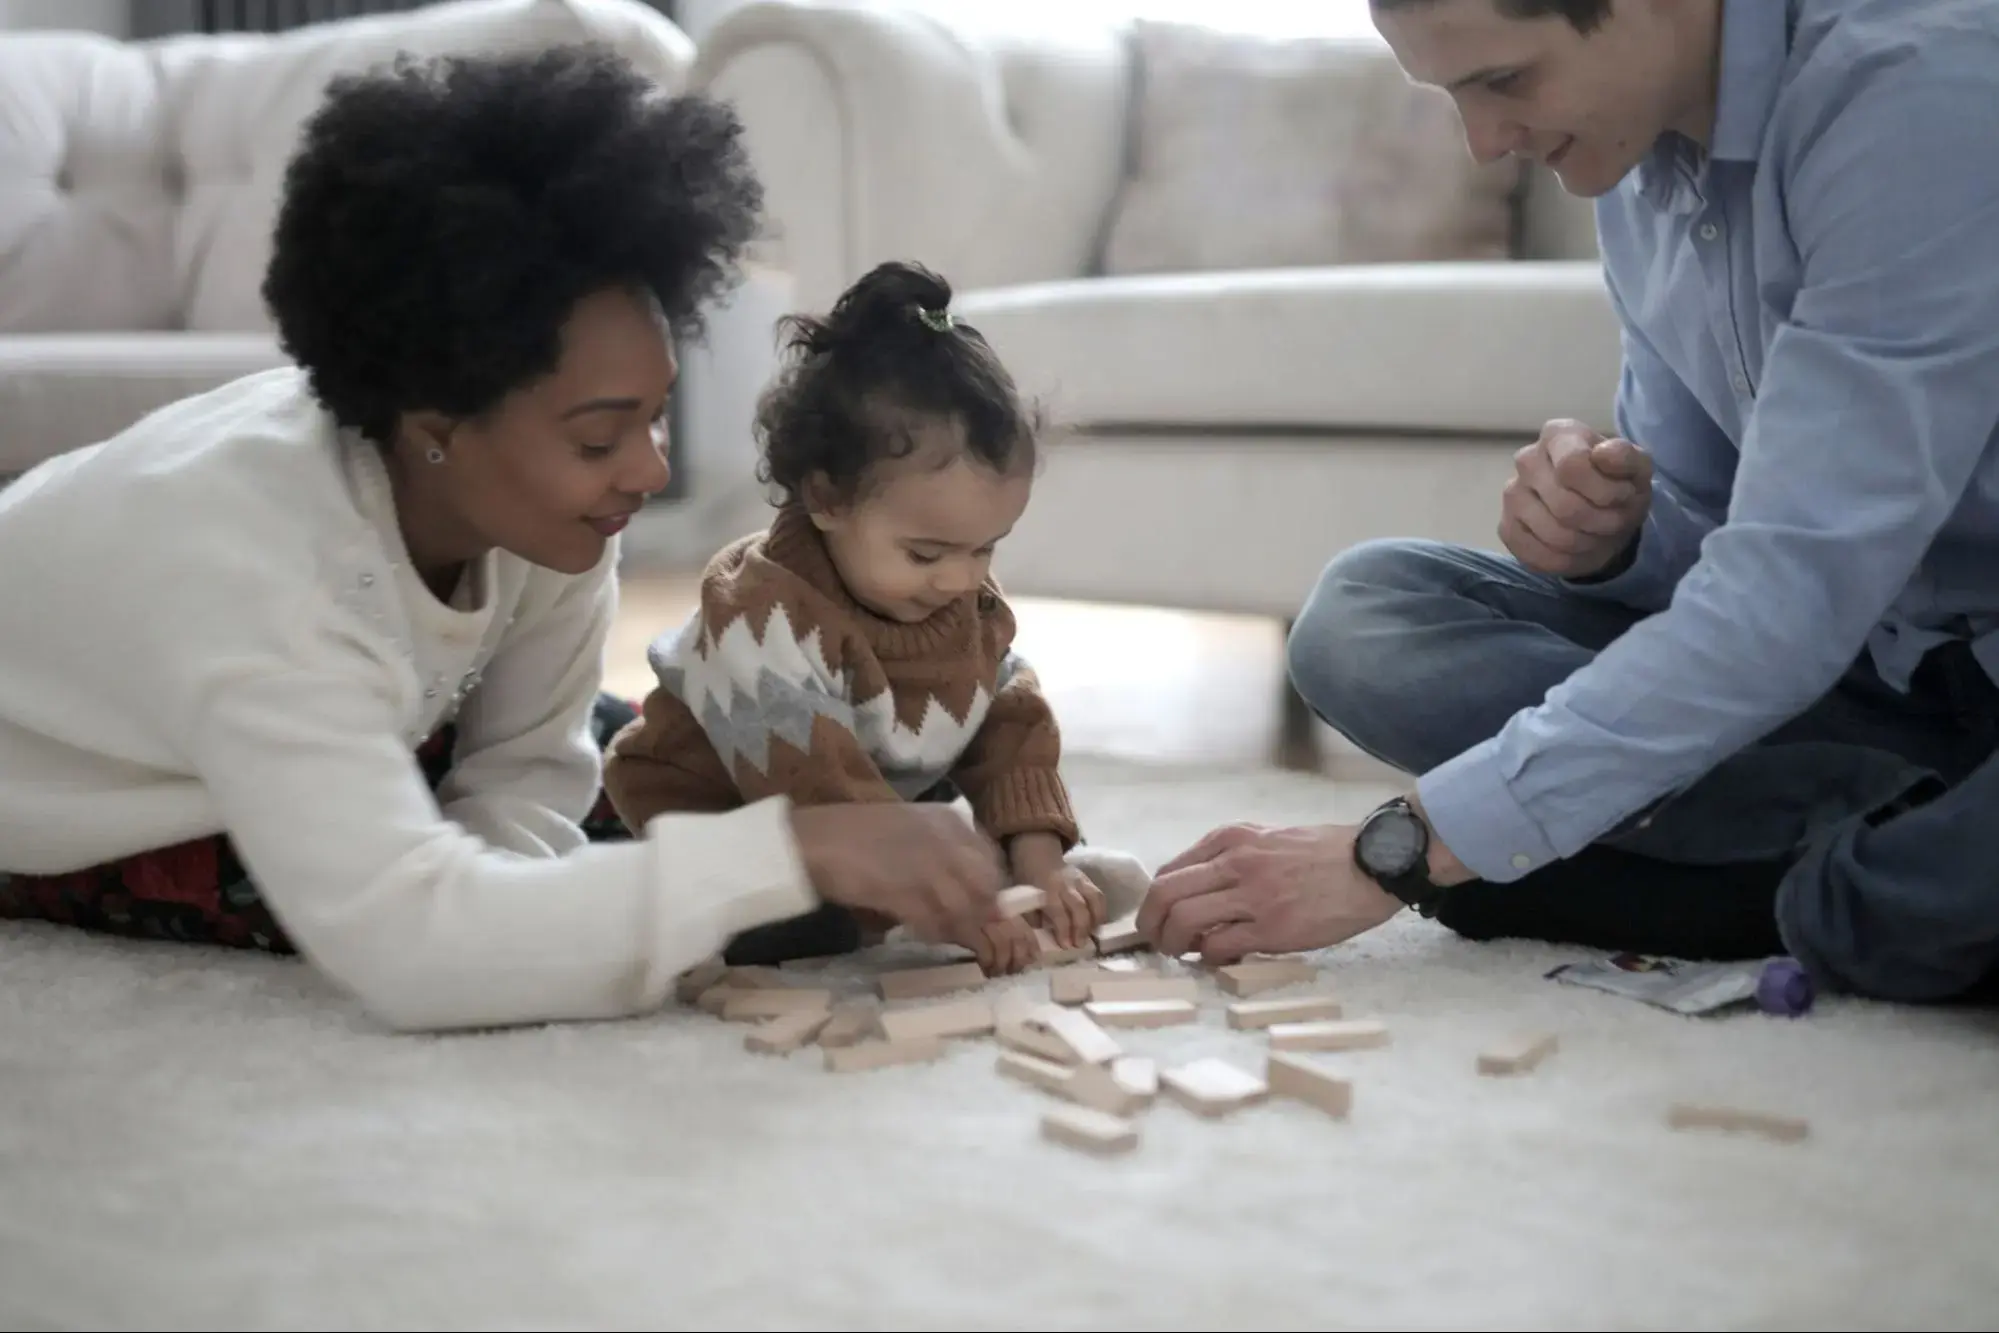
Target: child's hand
1004, 947
1075, 906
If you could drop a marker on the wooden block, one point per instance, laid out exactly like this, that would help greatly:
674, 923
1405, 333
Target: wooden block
1141, 1013
1088, 1042
1119, 936
1298, 1078
1734, 1119
1519, 1055
1145, 988
715, 998
1015, 1006
1137, 1075
1251, 978
1328, 1035
1072, 984
1035, 1041
851, 1021
1086, 1085
787, 1032
953, 1018
1266, 1013
756, 1005
922, 983
1089, 1130
1213, 1087
866, 1055
1052, 954
1021, 899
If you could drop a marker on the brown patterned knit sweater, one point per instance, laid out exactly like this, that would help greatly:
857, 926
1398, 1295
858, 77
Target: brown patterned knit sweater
782, 684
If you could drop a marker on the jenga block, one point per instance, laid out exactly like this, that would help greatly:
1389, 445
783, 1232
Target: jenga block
1141, 1013
756, 978
1296, 1077
851, 1021
1254, 977
1089, 1131
1035, 1041
1732, 1119
1119, 936
922, 983
1213, 1087
1086, 1085
866, 1055
953, 1018
1015, 1006
716, 998
1518, 1055
1072, 984
1328, 1035
1089, 1043
1051, 954
1137, 1075
787, 1032
755, 1005
689, 985
1021, 899
1265, 1013
1145, 988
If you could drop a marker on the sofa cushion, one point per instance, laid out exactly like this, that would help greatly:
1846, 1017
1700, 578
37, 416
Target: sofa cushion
61, 391
1439, 347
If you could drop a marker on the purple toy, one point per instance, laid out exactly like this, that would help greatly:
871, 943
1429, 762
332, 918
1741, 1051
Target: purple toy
1784, 988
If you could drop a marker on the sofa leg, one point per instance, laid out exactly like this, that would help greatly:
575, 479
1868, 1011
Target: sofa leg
1297, 746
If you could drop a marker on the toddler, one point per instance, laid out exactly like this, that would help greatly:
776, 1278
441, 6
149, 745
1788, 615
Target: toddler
859, 649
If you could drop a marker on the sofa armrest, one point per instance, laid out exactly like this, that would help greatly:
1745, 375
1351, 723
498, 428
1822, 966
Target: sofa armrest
885, 133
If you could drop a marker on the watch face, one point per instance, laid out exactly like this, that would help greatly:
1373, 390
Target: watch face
1391, 844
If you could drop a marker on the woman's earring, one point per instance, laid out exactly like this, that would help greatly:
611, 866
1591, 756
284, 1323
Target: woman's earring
436, 455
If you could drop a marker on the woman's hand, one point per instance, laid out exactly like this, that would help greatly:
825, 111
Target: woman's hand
921, 865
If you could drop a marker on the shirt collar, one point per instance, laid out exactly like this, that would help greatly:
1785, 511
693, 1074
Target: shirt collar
1755, 42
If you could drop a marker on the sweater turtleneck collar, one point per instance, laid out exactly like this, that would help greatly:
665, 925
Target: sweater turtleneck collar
797, 544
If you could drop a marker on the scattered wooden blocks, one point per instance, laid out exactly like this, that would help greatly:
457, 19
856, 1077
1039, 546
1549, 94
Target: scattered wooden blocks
1021, 899
1141, 1013
1086, 1085
690, 985
953, 1018
1213, 1087
1137, 1075
1036, 1041
922, 983
1253, 977
1119, 936
866, 1055
1329, 1035
754, 1005
1139, 987
851, 1021
1051, 954
787, 1032
1072, 984
1519, 1055
1089, 1130
1266, 1013
1295, 1077
1088, 1043
716, 998
1783, 1128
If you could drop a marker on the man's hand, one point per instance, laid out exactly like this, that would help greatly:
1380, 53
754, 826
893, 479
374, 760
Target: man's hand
1576, 500
920, 865
1249, 888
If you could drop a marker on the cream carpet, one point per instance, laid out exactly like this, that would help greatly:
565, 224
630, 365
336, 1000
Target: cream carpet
212, 1140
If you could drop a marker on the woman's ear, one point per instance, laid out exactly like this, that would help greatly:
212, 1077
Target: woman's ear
426, 434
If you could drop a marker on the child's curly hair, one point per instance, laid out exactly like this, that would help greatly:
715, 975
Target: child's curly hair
890, 353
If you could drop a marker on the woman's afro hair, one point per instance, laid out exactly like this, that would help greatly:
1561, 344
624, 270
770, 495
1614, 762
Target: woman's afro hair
441, 218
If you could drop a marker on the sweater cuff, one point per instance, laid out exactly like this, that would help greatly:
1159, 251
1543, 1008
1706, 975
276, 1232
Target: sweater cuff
1028, 800
741, 869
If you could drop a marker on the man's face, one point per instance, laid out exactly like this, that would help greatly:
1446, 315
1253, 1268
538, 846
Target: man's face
1589, 106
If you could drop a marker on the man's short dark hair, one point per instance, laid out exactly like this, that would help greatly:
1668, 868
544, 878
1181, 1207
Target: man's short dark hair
1582, 15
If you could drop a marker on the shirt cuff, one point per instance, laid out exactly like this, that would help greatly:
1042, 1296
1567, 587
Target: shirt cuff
740, 869
1474, 814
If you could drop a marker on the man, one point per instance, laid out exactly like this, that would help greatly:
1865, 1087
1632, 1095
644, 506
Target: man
1733, 693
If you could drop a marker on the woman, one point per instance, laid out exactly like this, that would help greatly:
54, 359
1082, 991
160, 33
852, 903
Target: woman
312, 661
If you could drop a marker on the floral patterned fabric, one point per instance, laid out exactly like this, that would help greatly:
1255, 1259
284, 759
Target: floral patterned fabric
198, 891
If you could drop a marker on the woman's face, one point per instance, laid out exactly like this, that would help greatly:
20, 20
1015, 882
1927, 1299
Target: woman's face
558, 468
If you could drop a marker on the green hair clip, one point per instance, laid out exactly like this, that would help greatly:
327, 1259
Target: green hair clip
939, 320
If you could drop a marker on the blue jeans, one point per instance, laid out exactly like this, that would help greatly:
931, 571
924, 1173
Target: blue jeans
1849, 837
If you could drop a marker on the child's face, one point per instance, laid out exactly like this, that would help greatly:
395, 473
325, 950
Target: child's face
921, 536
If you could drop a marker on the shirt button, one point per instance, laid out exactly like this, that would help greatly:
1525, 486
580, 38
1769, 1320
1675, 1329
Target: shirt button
1521, 860
1740, 381
1709, 231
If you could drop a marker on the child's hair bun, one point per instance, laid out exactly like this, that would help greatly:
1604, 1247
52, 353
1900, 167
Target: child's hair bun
890, 301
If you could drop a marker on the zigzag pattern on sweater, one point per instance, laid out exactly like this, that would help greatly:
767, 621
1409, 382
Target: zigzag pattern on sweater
745, 690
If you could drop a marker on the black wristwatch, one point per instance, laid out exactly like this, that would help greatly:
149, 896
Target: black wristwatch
1393, 849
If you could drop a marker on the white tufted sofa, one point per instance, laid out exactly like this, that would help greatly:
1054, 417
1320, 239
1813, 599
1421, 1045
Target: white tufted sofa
139, 181
1235, 428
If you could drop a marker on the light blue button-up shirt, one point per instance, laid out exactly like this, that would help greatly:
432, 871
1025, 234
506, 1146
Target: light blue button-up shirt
1811, 355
